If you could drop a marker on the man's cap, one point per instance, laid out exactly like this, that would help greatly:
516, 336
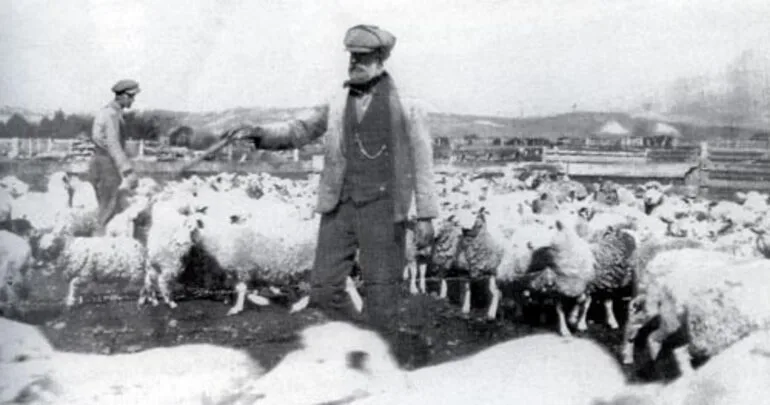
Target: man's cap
126, 86
369, 38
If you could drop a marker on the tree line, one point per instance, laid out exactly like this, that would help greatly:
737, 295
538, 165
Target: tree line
62, 126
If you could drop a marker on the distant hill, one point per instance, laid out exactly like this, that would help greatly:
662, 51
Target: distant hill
578, 124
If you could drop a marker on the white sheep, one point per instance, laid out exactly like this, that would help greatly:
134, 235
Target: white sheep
5, 205
168, 241
339, 363
272, 247
44, 209
564, 269
104, 260
738, 375
717, 297
15, 259
14, 186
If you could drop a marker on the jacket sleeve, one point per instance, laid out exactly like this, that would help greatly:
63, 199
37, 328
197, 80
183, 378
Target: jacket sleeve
294, 133
106, 134
426, 204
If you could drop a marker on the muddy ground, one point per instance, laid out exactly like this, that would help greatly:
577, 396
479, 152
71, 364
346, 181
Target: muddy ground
107, 323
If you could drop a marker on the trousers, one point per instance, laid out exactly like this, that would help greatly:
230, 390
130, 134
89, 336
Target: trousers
369, 230
104, 176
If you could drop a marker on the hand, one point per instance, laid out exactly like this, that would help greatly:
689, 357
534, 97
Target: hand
423, 233
239, 132
129, 182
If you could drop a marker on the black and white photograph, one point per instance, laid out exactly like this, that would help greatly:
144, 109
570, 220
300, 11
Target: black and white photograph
296, 202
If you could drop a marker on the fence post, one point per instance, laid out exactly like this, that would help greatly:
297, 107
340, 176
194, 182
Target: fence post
140, 152
230, 152
704, 150
296, 155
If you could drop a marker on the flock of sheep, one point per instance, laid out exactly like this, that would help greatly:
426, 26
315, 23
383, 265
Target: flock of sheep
689, 266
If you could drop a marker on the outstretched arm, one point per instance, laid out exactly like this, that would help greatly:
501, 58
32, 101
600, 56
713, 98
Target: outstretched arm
294, 133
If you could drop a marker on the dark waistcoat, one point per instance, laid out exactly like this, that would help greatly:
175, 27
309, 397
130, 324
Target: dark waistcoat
368, 148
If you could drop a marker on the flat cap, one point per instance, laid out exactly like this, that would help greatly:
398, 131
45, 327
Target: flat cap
369, 38
126, 86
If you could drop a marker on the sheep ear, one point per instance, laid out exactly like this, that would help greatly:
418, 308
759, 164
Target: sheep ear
559, 225
199, 223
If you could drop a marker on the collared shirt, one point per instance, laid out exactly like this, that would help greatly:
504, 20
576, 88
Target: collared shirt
362, 104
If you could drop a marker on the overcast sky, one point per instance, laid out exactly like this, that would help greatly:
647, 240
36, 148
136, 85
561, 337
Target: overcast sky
483, 57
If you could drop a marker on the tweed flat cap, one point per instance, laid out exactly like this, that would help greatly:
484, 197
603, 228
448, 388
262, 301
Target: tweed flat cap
126, 86
369, 38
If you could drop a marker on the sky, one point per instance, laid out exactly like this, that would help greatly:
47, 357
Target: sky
487, 57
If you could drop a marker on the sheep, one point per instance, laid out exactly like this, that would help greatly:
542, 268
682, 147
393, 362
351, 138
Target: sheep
480, 252
14, 186
169, 239
614, 265
340, 363
15, 259
716, 297
249, 251
738, 375
445, 246
416, 265
103, 260
562, 269
163, 375
43, 210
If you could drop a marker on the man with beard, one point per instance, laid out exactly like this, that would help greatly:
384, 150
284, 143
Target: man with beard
378, 160
110, 170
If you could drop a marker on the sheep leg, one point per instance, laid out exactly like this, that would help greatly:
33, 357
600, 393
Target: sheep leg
73, 285
563, 329
300, 305
682, 356
407, 271
582, 325
165, 291
257, 299
148, 290
608, 308
423, 268
240, 297
355, 297
466, 309
443, 289
495, 301
410, 267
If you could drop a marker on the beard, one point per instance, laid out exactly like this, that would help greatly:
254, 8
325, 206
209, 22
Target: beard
361, 73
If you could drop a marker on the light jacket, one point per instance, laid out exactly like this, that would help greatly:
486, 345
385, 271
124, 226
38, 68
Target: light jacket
412, 152
105, 134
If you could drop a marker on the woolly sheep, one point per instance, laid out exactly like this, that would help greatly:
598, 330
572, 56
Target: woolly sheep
44, 209
718, 298
614, 265
738, 375
15, 259
252, 250
168, 241
480, 252
563, 269
104, 260
15, 187
163, 375
359, 368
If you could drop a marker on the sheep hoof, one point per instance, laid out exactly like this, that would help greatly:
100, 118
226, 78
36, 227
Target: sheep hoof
300, 305
234, 311
258, 300
581, 326
613, 325
172, 304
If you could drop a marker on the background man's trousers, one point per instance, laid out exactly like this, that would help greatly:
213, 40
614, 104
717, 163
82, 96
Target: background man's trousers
106, 179
369, 228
